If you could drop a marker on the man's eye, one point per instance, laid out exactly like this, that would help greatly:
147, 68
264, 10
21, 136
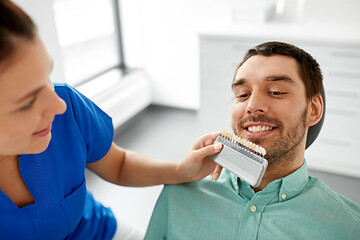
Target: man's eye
245, 95
275, 93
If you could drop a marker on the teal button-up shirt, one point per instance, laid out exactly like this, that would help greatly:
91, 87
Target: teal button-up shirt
294, 207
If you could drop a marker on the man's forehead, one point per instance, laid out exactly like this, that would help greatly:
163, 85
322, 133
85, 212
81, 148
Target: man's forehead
265, 67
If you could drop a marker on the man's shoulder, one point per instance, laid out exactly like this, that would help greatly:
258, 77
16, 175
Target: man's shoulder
205, 183
333, 199
202, 188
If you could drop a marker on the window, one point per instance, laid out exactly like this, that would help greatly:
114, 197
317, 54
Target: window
88, 33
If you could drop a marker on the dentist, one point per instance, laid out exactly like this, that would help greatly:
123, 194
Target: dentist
49, 134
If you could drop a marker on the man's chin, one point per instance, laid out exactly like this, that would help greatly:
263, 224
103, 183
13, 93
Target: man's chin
258, 141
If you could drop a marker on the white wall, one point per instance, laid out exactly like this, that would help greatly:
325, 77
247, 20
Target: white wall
162, 37
167, 31
42, 13
169, 44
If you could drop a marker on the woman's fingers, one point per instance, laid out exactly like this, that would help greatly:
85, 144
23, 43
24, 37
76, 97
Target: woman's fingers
207, 151
216, 173
205, 140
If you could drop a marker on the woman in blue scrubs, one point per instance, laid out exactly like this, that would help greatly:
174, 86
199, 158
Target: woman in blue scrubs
49, 134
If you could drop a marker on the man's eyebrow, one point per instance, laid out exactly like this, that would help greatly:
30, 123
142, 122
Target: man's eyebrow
272, 78
275, 78
238, 82
30, 94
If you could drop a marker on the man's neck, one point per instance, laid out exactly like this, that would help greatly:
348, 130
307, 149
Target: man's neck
281, 168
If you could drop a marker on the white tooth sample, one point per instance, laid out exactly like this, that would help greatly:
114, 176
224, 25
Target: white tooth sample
260, 150
244, 142
253, 146
263, 151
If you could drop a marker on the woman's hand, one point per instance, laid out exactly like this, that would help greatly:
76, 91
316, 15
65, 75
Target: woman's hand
197, 163
128, 168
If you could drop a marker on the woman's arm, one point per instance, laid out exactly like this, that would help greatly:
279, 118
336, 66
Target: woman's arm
128, 168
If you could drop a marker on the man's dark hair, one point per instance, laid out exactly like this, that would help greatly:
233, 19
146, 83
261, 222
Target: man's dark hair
309, 69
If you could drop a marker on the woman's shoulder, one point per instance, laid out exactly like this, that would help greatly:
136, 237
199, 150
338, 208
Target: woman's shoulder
64, 90
73, 98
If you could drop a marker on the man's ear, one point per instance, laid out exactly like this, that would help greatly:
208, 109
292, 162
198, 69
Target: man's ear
315, 111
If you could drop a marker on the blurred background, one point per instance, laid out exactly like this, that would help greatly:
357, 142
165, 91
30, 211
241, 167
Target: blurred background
162, 70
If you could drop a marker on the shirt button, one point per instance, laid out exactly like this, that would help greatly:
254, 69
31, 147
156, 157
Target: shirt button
236, 188
283, 196
253, 208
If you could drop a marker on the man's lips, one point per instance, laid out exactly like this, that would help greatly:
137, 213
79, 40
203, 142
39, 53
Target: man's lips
258, 129
43, 132
249, 124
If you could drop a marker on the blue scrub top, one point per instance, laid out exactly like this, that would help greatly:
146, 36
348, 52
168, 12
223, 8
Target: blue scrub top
63, 208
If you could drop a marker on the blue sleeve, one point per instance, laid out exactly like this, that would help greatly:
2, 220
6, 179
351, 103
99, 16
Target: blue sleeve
94, 124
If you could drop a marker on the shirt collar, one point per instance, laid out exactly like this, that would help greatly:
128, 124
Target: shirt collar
286, 188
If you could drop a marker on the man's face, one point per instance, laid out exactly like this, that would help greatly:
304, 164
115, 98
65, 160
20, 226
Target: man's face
270, 107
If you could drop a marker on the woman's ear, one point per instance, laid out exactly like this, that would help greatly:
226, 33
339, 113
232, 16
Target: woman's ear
315, 111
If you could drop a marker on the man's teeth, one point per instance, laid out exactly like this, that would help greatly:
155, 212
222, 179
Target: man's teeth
259, 128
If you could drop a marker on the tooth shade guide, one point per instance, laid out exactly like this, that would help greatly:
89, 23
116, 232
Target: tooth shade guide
243, 142
241, 157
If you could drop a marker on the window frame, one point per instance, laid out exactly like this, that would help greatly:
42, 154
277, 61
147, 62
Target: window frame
121, 65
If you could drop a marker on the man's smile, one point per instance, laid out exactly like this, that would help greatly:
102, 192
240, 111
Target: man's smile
258, 129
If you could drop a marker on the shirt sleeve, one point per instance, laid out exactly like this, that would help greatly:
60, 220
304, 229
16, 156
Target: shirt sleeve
94, 124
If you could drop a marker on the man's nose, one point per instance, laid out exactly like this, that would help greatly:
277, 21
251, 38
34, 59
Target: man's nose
257, 104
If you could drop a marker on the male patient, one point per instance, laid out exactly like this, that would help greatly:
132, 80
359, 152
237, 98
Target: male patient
277, 85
